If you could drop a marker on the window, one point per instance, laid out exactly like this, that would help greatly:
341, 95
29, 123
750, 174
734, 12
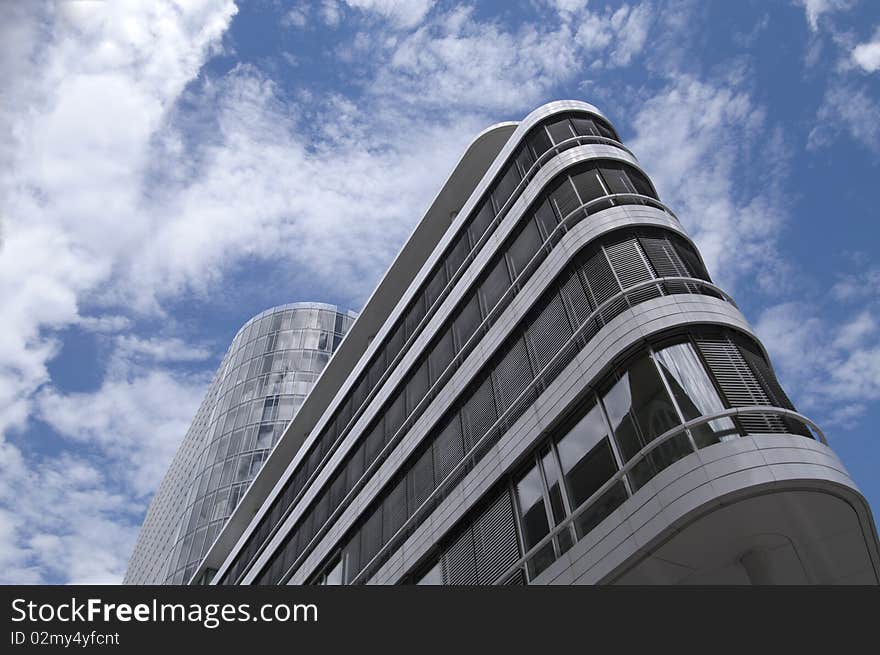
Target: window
494, 285
524, 247
694, 392
533, 518
577, 453
640, 410
616, 179
584, 126
560, 130
506, 186
539, 141
457, 254
564, 198
546, 218
441, 355
467, 321
589, 185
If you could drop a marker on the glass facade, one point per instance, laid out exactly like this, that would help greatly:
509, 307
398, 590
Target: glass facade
262, 381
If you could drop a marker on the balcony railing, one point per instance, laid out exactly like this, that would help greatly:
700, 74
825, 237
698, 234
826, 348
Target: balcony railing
565, 527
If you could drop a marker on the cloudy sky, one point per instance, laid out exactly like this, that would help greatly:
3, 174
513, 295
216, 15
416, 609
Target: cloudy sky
170, 168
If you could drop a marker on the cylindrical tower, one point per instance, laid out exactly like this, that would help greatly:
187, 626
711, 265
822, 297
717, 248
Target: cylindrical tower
262, 381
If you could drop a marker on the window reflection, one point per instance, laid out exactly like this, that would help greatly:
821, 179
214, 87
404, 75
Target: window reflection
694, 392
640, 410
533, 518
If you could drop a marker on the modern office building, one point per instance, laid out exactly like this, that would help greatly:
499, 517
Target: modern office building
262, 381
547, 387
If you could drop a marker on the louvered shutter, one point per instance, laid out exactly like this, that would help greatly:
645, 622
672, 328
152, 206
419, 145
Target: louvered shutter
512, 374
420, 481
737, 382
394, 511
448, 448
459, 563
764, 372
666, 263
631, 268
495, 544
478, 413
549, 331
601, 284
575, 297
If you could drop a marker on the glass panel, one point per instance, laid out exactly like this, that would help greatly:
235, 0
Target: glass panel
616, 180
505, 187
524, 247
457, 254
560, 130
551, 474
577, 453
588, 185
600, 508
641, 183
546, 218
533, 515
640, 410
694, 392
564, 198
524, 160
533, 519
584, 126
605, 130
539, 141
494, 285
467, 321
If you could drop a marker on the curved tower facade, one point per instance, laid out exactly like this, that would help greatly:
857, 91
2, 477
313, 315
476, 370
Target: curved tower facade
264, 377
547, 387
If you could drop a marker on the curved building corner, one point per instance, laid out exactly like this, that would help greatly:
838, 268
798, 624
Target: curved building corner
547, 387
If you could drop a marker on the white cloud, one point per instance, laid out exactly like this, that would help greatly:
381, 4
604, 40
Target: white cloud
693, 137
66, 522
172, 349
296, 16
456, 60
857, 286
814, 9
136, 419
92, 83
402, 13
851, 109
867, 55
331, 12
830, 367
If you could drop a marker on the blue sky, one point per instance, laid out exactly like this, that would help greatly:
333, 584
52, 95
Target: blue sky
168, 170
